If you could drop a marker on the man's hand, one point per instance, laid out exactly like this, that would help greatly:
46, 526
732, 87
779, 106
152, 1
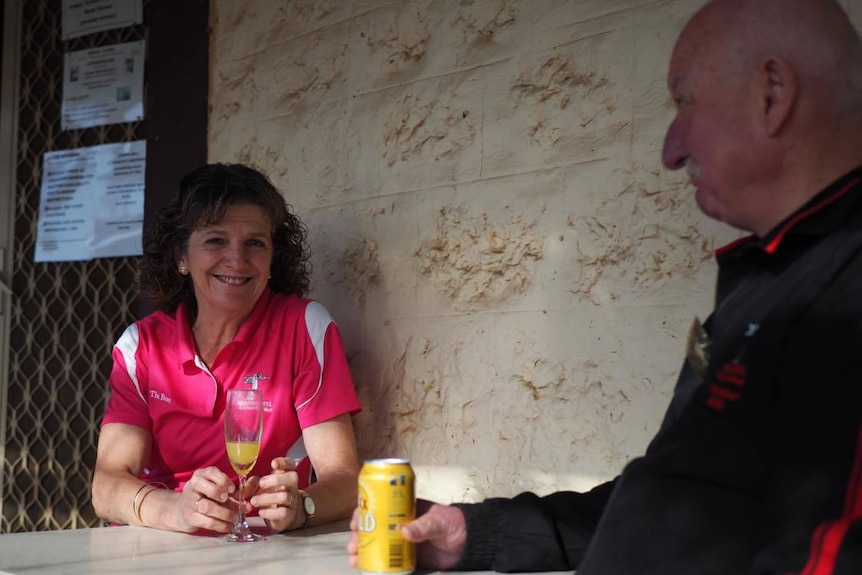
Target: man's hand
438, 531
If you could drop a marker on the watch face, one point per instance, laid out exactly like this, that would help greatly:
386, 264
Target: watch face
308, 503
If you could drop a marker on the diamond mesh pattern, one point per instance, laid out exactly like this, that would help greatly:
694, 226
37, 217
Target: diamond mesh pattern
65, 316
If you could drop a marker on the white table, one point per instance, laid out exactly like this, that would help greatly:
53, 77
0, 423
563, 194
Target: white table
120, 550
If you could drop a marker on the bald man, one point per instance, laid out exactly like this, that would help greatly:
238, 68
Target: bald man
757, 466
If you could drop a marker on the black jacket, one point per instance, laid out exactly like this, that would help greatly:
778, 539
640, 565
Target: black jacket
754, 469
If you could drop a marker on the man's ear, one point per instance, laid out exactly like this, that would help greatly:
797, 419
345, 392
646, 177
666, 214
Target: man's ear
780, 89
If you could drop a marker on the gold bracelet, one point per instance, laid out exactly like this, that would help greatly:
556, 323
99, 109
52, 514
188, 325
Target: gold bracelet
136, 507
135, 500
141, 504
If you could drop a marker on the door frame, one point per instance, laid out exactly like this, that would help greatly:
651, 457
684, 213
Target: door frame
9, 79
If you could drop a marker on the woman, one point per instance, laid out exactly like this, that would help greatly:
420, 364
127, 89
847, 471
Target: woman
227, 267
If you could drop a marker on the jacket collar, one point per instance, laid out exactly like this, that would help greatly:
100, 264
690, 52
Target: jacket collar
822, 214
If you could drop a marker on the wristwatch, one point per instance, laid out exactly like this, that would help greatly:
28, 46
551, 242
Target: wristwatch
307, 506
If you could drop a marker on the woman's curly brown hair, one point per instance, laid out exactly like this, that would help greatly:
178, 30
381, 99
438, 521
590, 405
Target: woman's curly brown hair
204, 195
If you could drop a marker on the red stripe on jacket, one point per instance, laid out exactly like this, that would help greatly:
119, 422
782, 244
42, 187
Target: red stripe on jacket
827, 539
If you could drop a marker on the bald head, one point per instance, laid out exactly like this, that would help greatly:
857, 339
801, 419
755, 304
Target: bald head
815, 37
769, 106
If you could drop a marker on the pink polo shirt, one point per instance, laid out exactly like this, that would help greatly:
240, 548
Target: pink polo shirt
288, 347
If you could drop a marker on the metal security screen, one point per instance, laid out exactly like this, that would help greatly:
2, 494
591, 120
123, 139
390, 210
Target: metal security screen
65, 316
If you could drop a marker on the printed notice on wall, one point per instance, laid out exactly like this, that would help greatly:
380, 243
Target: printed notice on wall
103, 86
92, 203
82, 17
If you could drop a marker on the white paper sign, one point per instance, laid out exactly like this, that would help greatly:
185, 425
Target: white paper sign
103, 86
92, 203
82, 17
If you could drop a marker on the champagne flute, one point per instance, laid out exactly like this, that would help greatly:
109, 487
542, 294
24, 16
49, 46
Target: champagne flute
243, 424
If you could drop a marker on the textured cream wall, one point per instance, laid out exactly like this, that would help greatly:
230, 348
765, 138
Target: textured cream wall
512, 270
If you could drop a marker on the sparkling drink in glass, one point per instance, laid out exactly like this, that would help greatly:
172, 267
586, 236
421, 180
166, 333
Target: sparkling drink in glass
243, 425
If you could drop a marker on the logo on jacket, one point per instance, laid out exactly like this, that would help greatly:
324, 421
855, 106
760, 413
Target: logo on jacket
253, 379
751, 329
726, 386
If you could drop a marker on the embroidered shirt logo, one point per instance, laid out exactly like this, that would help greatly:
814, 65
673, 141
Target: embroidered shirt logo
253, 379
160, 396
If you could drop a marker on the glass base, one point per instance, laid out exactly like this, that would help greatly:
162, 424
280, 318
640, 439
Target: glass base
242, 534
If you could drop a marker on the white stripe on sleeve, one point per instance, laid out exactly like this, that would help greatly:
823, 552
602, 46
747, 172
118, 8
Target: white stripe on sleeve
127, 346
317, 320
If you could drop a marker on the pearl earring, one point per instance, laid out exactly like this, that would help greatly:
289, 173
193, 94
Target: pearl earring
184, 270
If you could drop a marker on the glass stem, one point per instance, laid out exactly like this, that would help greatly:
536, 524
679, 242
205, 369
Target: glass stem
241, 526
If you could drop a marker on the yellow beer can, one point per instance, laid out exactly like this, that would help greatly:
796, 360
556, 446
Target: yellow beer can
387, 501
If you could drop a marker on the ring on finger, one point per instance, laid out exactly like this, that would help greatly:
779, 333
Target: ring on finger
285, 504
197, 502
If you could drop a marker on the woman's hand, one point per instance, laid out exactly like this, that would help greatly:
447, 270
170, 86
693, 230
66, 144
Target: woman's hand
205, 502
277, 496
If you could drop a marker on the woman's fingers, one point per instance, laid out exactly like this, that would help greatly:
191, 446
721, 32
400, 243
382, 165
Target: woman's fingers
212, 483
277, 495
205, 501
283, 464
